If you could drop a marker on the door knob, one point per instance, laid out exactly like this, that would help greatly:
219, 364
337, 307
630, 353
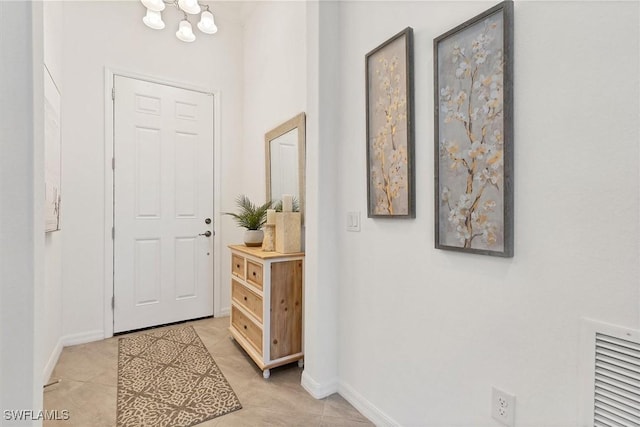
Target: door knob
207, 221
206, 234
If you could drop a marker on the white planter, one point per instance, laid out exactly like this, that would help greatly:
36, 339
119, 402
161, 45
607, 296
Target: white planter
253, 237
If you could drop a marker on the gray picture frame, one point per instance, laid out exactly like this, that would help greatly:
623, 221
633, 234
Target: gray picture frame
473, 135
390, 109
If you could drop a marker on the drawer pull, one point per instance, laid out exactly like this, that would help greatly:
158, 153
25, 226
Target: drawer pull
245, 298
254, 274
245, 326
237, 265
275, 342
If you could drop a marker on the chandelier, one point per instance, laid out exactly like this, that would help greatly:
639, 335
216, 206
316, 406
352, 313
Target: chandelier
153, 18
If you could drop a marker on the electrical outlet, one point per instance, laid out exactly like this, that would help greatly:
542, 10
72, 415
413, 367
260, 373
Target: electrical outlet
503, 407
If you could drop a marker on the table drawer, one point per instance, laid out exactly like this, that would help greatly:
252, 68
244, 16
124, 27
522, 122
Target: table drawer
248, 299
254, 273
237, 266
247, 328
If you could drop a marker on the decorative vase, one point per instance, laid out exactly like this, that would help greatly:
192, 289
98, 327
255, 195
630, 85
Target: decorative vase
288, 227
269, 241
253, 237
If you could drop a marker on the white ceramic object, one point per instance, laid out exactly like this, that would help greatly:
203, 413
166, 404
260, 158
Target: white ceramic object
253, 237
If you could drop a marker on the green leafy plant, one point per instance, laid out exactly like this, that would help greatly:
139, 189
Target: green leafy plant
250, 216
277, 205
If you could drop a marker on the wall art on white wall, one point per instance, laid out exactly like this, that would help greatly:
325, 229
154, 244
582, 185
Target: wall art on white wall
473, 91
390, 128
52, 153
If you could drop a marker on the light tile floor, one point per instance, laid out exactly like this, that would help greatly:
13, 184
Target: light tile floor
89, 379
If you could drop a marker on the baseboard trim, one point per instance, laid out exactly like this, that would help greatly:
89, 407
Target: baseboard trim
224, 312
366, 408
82, 338
316, 389
53, 360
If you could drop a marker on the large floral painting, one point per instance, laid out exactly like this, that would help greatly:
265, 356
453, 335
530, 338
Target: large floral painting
473, 135
52, 154
390, 175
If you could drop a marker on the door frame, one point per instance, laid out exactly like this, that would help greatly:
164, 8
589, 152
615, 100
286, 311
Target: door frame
109, 112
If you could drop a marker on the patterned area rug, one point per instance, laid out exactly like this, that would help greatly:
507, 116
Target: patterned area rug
168, 378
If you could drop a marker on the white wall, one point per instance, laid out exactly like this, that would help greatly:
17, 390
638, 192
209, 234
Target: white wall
425, 333
111, 34
21, 206
52, 29
322, 280
274, 81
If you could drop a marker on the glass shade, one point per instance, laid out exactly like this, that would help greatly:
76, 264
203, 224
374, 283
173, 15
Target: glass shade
185, 33
207, 25
190, 6
153, 20
154, 5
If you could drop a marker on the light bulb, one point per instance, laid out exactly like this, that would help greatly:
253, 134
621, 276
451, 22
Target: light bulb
154, 5
185, 33
190, 6
153, 20
207, 25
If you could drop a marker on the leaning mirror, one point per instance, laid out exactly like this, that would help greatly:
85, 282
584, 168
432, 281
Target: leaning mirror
285, 159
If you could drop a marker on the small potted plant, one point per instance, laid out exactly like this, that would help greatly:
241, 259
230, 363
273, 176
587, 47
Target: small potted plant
252, 218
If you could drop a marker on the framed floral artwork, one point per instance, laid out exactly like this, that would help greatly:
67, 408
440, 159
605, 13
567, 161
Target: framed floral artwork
390, 128
473, 97
52, 154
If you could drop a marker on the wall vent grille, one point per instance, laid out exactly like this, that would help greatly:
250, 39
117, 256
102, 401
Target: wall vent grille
617, 382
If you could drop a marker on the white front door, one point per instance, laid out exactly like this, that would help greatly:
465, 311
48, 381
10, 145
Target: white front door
163, 204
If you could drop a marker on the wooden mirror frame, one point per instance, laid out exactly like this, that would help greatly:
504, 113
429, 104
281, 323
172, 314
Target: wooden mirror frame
297, 122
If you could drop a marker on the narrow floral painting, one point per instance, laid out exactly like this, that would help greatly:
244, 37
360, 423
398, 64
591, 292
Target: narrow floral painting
52, 154
390, 128
473, 91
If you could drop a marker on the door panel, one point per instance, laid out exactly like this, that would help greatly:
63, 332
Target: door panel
147, 281
186, 163
186, 268
147, 169
163, 192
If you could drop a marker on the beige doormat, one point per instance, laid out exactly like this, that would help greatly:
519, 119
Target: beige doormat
168, 378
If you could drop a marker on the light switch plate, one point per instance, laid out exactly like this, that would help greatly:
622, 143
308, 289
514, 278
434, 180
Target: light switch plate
353, 221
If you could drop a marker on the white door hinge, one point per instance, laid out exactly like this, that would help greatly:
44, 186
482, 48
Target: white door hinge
113, 302
113, 93
113, 233
113, 163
